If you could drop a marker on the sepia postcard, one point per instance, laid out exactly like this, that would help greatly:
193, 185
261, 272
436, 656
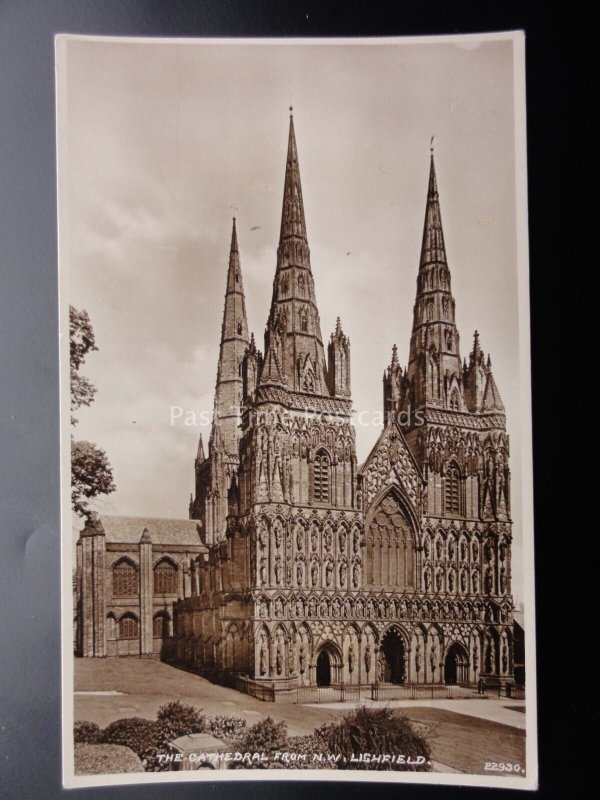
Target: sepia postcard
296, 416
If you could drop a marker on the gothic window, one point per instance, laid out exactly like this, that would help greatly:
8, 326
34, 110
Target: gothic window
160, 626
429, 309
129, 627
309, 381
390, 547
321, 477
125, 579
301, 284
165, 578
239, 328
452, 490
237, 276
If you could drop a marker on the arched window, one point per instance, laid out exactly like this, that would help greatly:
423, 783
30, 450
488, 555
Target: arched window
129, 627
165, 578
321, 477
125, 579
452, 498
309, 381
160, 626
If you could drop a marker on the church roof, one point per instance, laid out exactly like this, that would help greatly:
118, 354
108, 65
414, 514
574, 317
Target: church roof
165, 531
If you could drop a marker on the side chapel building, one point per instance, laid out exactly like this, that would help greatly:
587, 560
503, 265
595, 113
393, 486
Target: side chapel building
298, 567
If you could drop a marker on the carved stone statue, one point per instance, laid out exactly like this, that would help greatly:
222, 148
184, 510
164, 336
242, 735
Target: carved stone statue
328, 573
302, 660
368, 658
263, 660
343, 571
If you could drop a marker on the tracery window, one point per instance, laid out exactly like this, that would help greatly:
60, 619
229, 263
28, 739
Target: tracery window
165, 578
321, 477
129, 627
160, 626
125, 579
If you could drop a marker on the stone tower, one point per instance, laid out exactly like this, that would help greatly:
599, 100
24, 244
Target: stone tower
214, 474
454, 423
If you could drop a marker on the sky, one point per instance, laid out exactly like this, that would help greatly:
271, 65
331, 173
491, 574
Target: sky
161, 143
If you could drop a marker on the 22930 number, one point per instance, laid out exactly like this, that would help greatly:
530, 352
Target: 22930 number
503, 766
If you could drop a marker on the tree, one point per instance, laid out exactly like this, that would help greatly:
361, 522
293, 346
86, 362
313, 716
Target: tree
91, 473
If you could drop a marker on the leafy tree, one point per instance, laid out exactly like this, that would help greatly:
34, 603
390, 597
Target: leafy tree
91, 472
91, 475
82, 342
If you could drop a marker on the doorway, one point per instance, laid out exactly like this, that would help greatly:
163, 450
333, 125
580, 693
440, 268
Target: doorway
323, 669
455, 665
393, 654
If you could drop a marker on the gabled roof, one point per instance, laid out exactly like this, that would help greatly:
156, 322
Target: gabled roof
162, 531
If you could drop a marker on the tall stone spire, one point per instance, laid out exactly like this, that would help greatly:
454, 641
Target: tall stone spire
434, 368
234, 341
294, 354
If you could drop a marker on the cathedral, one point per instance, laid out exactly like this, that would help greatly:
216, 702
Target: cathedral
299, 567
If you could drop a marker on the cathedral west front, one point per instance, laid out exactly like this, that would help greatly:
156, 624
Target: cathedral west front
298, 566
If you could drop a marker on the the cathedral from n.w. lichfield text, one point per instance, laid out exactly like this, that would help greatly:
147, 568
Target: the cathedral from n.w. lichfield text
298, 567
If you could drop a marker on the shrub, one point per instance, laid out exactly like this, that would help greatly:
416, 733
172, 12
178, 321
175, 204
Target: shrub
104, 759
180, 719
379, 732
265, 736
146, 737
230, 729
86, 732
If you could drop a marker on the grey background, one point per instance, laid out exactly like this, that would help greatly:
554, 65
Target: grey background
29, 455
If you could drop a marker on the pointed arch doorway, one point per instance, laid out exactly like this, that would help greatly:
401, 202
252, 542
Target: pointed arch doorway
456, 665
323, 669
394, 658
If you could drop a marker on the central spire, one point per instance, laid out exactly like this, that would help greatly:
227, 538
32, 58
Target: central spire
292, 214
433, 250
294, 354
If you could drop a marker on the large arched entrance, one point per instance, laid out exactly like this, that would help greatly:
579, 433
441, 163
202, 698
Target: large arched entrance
323, 669
456, 665
394, 657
